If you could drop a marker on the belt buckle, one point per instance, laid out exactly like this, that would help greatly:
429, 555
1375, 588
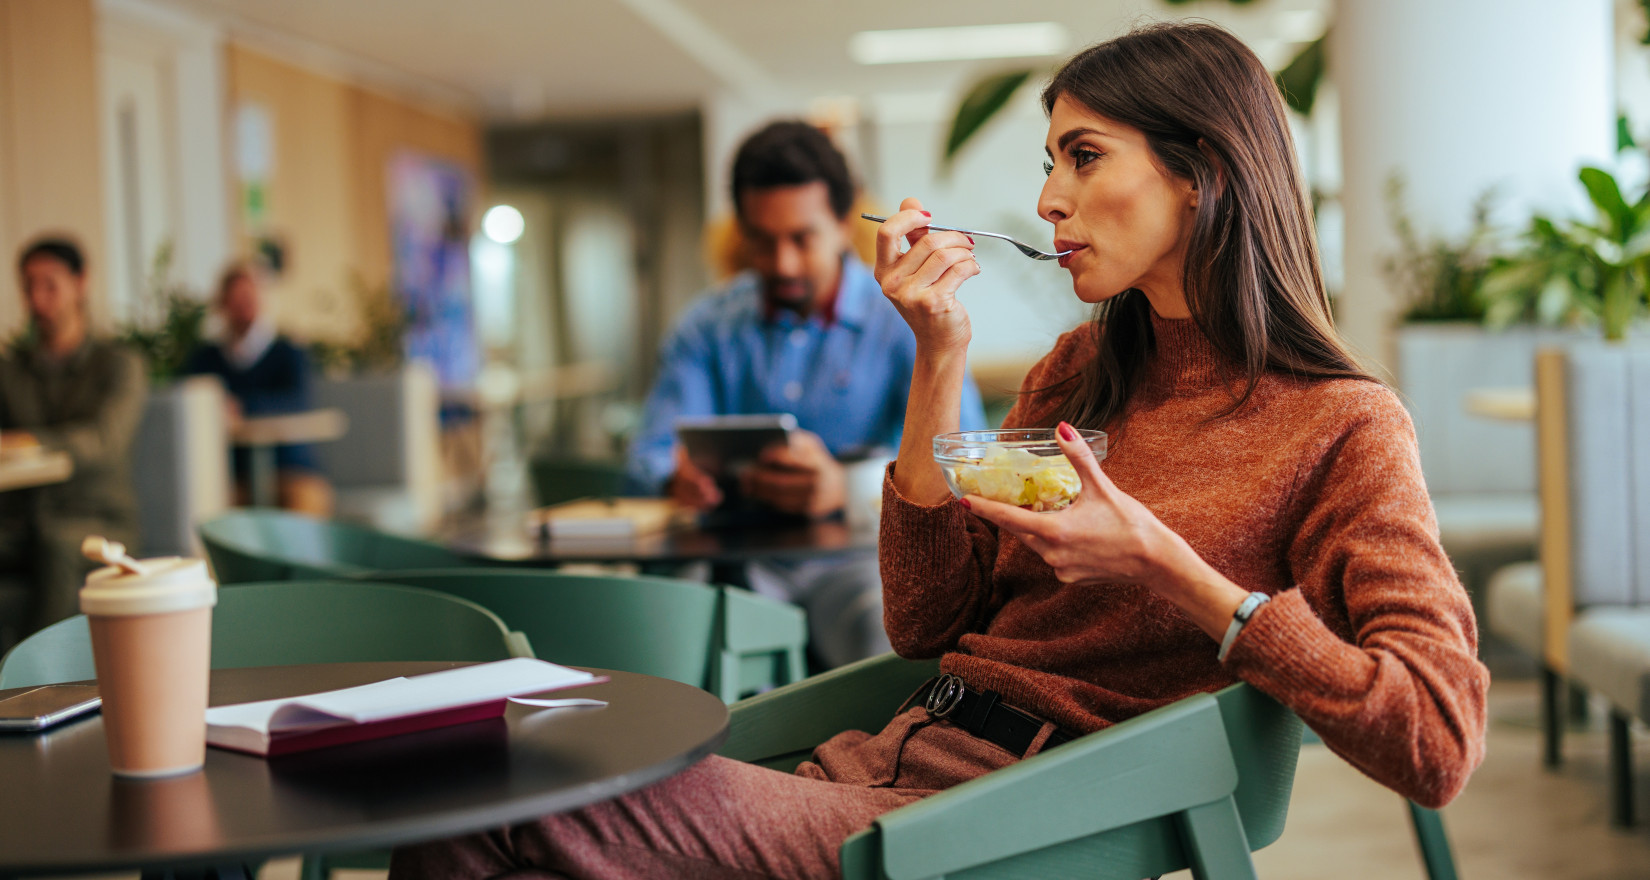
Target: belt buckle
945, 696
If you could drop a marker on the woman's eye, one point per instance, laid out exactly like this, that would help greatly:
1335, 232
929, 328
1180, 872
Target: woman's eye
1048, 168
1084, 157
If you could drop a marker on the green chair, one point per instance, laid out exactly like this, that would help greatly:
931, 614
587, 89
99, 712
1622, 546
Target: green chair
563, 479
728, 641
271, 545
1196, 784
295, 622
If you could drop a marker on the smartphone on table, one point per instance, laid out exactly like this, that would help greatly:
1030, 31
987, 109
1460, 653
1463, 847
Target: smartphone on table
38, 708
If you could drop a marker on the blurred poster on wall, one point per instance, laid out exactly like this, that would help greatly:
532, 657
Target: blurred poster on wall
429, 211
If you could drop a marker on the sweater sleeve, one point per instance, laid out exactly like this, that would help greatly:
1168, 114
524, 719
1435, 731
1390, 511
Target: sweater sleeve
936, 565
937, 560
1377, 648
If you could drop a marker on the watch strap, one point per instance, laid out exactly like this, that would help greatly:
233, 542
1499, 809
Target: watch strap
1245, 610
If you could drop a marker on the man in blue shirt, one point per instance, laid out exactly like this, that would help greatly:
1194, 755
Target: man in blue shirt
808, 332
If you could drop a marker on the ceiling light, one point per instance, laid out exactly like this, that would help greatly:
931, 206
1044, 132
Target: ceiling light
503, 224
959, 43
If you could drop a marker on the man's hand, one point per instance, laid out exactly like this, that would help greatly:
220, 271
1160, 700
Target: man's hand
691, 487
800, 478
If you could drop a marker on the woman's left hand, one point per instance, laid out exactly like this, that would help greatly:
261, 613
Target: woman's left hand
1104, 536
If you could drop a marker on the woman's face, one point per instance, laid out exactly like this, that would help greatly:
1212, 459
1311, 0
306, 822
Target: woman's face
1127, 218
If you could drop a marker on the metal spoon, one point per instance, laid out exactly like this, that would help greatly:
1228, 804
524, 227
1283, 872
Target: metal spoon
1026, 249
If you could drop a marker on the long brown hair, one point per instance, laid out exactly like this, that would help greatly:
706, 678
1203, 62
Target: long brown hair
1212, 115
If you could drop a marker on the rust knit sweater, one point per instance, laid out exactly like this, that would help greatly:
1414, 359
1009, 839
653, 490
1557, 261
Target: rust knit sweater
1311, 492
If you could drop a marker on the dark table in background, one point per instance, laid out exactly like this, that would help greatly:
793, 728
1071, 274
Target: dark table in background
726, 549
61, 811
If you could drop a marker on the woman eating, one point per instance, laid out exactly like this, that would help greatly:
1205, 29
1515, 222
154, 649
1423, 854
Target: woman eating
1260, 516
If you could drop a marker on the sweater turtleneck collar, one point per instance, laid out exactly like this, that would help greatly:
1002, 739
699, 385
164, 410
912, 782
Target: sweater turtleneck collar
1185, 358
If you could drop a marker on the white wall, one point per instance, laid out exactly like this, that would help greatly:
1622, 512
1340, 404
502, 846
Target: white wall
161, 78
1459, 96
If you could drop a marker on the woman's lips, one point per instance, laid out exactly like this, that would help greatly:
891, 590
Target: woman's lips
1061, 244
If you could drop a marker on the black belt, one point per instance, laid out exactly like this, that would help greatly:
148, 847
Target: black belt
983, 714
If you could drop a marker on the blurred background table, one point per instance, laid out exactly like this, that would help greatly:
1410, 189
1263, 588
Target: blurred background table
506, 539
1513, 404
63, 812
262, 434
27, 468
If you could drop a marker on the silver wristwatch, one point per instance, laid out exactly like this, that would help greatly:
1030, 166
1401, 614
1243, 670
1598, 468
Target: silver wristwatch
1245, 610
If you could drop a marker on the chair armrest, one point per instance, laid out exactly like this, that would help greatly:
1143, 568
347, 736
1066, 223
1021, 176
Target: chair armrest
1154, 765
799, 716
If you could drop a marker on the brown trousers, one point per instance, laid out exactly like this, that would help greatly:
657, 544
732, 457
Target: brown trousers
723, 818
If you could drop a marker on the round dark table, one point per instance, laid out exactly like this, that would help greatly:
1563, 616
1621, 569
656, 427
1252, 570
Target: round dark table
61, 810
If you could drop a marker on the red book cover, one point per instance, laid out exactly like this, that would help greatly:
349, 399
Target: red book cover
285, 743
385, 708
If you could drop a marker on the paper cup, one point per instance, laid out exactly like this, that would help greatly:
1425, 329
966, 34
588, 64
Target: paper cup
152, 644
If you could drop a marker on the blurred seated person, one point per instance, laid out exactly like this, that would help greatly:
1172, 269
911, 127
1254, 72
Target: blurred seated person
63, 388
807, 331
265, 375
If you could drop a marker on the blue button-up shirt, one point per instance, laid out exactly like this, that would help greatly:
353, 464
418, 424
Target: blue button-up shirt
846, 380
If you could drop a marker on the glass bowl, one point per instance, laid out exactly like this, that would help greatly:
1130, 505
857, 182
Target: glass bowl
1019, 466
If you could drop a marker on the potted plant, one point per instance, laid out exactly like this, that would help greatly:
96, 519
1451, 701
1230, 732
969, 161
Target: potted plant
1573, 272
169, 321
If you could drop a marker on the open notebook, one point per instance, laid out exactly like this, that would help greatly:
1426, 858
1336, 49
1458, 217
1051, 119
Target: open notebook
384, 708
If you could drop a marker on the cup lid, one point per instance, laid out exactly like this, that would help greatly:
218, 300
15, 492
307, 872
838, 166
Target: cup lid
170, 583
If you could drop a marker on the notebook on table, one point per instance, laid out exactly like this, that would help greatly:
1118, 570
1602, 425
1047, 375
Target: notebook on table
384, 708
604, 518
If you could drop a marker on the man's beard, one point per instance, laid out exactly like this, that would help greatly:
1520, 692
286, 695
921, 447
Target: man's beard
796, 294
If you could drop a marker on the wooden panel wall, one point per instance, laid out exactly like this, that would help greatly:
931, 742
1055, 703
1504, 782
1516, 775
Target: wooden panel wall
327, 197
51, 167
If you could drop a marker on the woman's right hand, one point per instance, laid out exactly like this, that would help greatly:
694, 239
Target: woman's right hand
922, 282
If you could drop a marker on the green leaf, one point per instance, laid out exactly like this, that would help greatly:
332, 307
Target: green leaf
1624, 133
983, 100
1299, 79
1604, 192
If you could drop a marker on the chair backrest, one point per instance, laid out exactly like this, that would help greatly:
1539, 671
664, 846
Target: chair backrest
1593, 424
682, 630
266, 545
182, 454
393, 447
294, 622
558, 479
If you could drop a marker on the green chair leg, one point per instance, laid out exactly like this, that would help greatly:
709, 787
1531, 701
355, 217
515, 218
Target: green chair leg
1552, 721
1621, 769
1215, 842
1433, 842
312, 868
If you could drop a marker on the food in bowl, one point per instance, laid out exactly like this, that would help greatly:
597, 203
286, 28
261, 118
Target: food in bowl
1023, 467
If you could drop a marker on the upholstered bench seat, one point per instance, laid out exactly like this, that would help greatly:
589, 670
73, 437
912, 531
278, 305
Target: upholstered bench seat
1610, 654
1513, 606
1488, 521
